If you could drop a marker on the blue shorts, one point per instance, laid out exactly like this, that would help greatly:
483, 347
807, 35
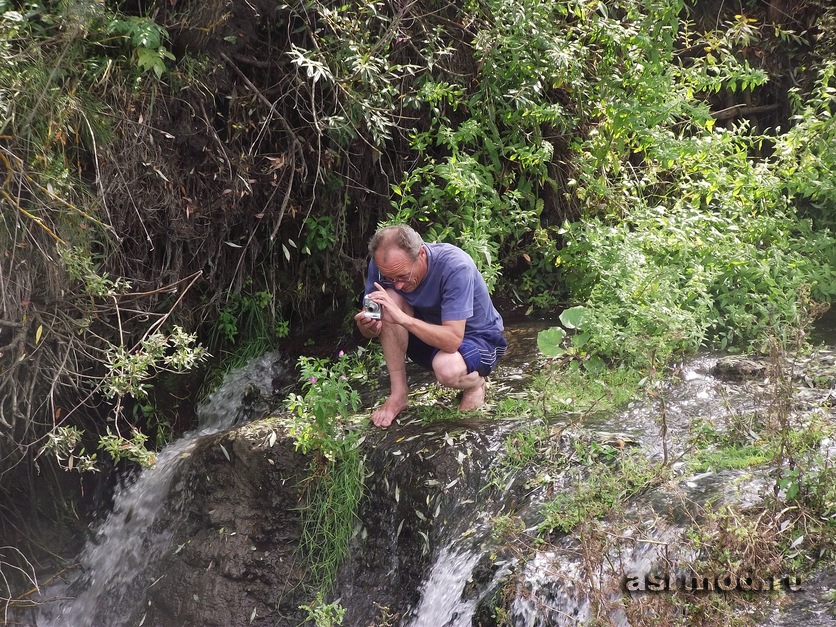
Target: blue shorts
480, 352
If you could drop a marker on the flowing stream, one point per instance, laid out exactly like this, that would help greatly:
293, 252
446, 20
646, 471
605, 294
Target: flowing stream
567, 581
572, 581
142, 522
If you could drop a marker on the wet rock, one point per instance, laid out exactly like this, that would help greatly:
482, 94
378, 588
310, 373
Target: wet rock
734, 368
426, 481
234, 559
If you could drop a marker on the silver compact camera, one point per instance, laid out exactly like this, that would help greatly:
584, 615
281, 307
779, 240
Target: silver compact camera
371, 308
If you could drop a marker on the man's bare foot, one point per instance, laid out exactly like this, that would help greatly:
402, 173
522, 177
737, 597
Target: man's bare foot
474, 398
386, 413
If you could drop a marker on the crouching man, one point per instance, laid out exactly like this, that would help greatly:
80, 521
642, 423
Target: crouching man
435, 308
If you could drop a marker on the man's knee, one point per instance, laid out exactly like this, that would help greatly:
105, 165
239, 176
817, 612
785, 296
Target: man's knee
401, 302
449, 368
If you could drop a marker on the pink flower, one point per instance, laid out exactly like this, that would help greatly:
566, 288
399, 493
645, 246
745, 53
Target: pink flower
312, 379
341, 353
344, 378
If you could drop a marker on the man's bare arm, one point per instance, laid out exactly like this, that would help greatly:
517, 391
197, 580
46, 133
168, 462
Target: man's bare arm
447, 336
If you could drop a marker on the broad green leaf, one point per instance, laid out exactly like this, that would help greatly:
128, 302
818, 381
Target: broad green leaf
549, 342
579, 340
573, 317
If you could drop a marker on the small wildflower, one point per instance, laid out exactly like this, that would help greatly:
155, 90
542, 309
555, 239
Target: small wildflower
341, 353
344, 378
312, 379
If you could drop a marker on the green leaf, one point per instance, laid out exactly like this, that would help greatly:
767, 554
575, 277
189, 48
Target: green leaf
149, 60
579, 340
595, 365
549, 342
573, 317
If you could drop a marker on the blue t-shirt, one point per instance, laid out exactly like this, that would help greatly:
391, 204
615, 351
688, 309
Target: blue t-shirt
453, 289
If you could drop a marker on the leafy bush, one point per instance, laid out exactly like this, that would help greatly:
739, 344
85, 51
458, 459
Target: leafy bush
691, 237
329, 398
805, 157
670, 281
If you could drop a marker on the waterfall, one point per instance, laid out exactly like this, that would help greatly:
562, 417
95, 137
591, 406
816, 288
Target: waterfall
448, 536
452, 590
441, 599
445, 601
140, 526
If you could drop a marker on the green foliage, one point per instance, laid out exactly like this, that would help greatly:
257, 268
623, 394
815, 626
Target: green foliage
695, 242
129, 368
524, 447
323, 614
62, 442
146, 38
330, 511
252, 313
805, 155
810, 482
598, 487
485, 156
731, 457
350, 53
155, 423
435, 412
750, 440
129, 371
134, 449
79, 265
515, 405
321, 234
336, 484
328, 398
562, 386
669, 279
689, 236
528, 448
550, 341
66, 63
506, 527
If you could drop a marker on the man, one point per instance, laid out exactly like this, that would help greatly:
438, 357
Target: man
435, 309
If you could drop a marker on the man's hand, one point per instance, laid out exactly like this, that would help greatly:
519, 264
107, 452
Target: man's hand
391, 311
446, 336
369, 327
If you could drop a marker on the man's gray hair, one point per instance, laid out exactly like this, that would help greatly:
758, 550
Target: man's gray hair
397, 236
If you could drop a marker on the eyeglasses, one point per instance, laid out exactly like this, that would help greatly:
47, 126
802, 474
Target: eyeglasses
387, 282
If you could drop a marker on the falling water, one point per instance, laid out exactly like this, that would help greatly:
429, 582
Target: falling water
441, 600
564, 584
450, 593
139, 528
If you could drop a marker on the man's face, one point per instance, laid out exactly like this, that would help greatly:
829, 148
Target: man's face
399, 270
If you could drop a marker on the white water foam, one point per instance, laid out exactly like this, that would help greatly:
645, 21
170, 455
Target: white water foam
441, 602
115, 562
